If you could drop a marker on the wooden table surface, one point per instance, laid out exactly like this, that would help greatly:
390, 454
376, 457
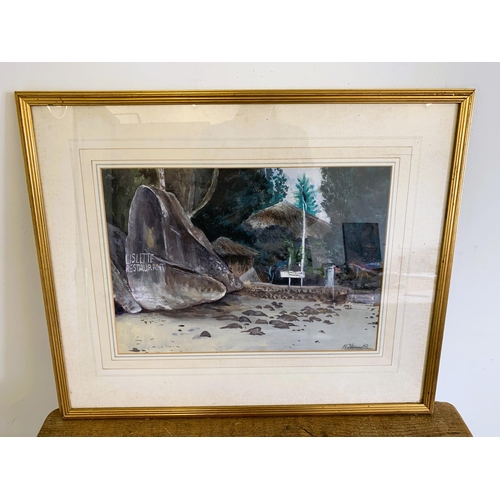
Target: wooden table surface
445, 421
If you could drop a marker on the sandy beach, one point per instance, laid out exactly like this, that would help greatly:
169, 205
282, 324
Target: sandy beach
242, 323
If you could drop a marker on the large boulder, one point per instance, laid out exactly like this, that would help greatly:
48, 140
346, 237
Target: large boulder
116, 244
250, 276
121, 291
170, 264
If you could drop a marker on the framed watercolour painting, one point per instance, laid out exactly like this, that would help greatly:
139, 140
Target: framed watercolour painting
245, 252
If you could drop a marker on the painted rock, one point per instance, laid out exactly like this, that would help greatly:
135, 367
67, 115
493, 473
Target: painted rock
170, 264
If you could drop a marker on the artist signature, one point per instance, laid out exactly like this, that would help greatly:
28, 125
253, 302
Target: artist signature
354, 347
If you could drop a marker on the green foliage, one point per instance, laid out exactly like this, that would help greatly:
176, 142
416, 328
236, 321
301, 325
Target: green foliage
120, 185
278, 185
293, 250
277, 250
273, 244
355, 194
240, 192
305, 196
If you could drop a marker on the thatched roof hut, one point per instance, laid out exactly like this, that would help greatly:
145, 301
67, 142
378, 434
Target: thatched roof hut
238, 257
274, 225
284, 214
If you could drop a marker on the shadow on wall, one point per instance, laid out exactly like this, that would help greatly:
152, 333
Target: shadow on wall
27, 388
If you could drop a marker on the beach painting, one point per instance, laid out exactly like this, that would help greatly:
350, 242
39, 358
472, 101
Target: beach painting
207, 260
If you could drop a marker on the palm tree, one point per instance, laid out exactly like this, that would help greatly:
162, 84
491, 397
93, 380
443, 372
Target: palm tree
304, 204
305, 198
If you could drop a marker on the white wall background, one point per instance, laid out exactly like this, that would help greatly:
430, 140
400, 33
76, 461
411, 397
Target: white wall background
470, 365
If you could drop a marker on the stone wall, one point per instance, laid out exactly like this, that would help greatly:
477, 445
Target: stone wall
308, 293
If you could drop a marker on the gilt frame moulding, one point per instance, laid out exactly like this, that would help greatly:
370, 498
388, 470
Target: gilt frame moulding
368, 183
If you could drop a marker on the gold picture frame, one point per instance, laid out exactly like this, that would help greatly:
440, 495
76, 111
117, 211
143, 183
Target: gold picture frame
423, 134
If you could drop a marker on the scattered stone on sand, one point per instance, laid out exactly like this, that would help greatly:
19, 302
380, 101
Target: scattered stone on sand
267, 306
204, 333
251, 312
291, 317
280, 324
232, 325
227, 317
255, 331
309, 310
288, 317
